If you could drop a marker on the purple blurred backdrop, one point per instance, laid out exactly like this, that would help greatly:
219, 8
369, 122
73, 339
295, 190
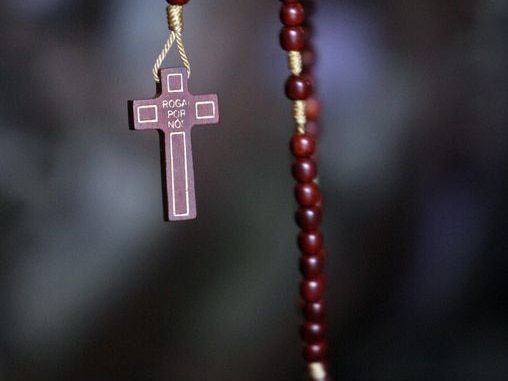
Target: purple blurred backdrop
413, 159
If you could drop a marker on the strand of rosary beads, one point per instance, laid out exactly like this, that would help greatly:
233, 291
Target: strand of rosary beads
294, 38
303, 146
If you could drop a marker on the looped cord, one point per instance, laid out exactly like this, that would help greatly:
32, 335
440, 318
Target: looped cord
175, 24
162, 56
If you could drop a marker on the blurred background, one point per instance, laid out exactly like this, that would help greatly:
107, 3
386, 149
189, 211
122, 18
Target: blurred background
413, 161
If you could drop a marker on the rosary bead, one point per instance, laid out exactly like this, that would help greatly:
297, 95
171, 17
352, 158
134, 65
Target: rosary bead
315, 352
312, 127
310, 242
308, 218
312, 109
292, 38
292, 14
307, 194
319, 204
309, 76
312, 266
303, 145
313, 332
177, 2
298, 88
315, 312
312, 290
309, 28
304, 169
308, 57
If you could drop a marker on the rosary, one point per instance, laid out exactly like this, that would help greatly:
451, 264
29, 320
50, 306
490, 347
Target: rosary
174, 111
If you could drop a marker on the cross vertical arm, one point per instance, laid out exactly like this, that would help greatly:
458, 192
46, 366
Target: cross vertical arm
177, 176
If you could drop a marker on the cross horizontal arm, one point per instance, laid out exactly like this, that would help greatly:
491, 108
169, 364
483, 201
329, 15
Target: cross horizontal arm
145, 114
206, 109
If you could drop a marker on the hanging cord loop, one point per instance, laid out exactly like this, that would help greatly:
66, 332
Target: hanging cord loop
175, 24
162, 56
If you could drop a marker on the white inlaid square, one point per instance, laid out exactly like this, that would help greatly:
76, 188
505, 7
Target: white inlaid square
205, 110
148, 114
175, 83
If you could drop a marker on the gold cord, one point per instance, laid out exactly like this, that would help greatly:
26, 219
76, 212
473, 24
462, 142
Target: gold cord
299, 115
295, 64
317, 371
175, 24
162, 56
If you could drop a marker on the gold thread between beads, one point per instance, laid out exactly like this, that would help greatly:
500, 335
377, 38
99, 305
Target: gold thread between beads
299, 115
317, 371
295, 65
295, 62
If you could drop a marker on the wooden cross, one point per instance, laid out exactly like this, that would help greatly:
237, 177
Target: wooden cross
173, 112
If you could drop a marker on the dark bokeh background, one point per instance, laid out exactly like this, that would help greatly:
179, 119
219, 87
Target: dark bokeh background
94, 286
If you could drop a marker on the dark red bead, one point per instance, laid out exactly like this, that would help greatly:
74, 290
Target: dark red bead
309, 76
312, 108
313, 332
307, 194
308, 218
292, 38
309, 28
298, 88
319, 204
308, 57
312, 127
312, 266
303, 145
312, 290
315, 352
177, 2
315, 312
292, 14
310, 242
304, 169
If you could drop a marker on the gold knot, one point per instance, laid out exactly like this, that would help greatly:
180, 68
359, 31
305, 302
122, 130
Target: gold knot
175, 18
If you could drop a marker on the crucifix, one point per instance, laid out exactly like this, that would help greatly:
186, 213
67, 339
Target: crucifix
173, 112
